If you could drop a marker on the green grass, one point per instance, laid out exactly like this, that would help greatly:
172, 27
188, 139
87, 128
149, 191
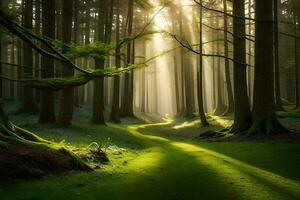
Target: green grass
148, 162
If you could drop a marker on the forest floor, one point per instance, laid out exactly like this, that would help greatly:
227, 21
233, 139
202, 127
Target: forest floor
165, 161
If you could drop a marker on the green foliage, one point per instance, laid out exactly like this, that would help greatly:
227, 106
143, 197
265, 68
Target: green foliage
94, 50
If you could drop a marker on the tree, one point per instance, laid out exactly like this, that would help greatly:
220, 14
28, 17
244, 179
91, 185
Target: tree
203, 119
230, 106
127, 104
28, 103
278, 104
67, 95
296, 12
264, 119
0, 56
98, 101
47, 114
115, 111
242, 114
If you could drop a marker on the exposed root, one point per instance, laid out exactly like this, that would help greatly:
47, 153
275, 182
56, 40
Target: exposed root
267, 126
25, 155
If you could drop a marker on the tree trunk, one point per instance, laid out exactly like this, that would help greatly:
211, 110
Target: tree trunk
1, 58
37, 63
47, 114
264, 118
98, 101
28, 103
220, 107
278, 104
115, 111
297, 57
67, 96
203, 119
230, 106
127, 104
242, 114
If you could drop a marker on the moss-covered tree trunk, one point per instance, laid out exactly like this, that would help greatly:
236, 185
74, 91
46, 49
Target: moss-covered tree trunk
25, 155
264, 118
242, 115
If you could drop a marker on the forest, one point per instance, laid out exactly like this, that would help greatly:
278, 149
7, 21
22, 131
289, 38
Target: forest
149, 99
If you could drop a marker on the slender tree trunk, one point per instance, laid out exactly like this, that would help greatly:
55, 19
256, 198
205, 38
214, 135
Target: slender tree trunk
98, 101
242, 114
203, 119
249, 55
264, 118
115, 111
47, 114
75, 40
278, 104
230, 106
28, 103
67, 95
127, 105
37, 55
12, 70
297, 59
1, 95
220, 107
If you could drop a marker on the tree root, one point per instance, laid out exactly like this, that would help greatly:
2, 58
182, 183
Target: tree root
267, 126
25, 155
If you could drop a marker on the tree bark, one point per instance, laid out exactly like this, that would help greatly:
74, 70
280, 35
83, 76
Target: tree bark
127, 104
28, 103
47, 114
278, 104
67, 96
98, 99
242, 114
264, 118
230, 106
115, 111
203, 119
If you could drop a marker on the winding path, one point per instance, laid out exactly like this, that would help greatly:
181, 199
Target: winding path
172, 169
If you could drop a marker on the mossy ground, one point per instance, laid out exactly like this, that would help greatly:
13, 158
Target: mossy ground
148, 161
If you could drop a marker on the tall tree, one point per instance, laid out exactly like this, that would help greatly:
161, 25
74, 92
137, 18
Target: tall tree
37, 64
200, 73
98, 101
296, 11
278, 103
127, 104
67, 96
242, 115
47, 114
230, 106
115, 111
0, 56
28, 102
264, 118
